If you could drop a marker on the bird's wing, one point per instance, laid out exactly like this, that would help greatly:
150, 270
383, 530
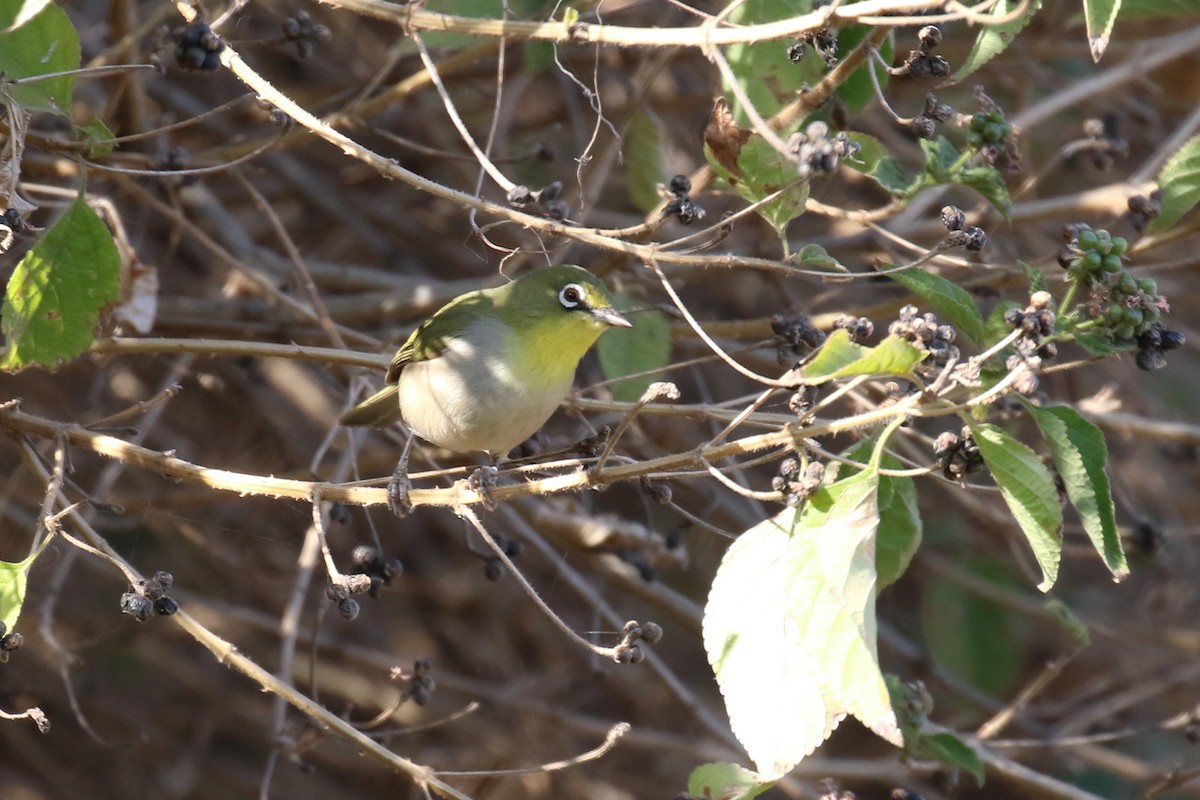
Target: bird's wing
434, 335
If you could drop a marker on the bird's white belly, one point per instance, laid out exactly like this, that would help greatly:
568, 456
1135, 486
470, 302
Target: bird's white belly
468, 400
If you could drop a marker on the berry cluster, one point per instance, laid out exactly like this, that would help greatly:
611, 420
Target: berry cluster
380, 570
149, 597
815, 151
301, 30
547, 199
823, 40
796, 486
1128, 309
971, 237
797, 336
197, 48
683, 207
994, 137
1142, 209
924, 333
957, 454
924, 125
339, 593
861, 329
418, 684
629, 651
922, 63
9, 641
1035, 321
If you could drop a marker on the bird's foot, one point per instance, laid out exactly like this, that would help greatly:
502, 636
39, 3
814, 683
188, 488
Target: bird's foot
483, 480
398, 489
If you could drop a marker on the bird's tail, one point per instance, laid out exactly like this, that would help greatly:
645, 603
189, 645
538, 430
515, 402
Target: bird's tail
378, 410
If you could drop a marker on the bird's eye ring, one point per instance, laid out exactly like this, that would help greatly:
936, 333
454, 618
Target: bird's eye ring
571, 296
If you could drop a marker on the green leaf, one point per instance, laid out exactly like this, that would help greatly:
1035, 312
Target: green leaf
763, 70
940, 159
13, 580
840, 357
539, 56
725, 781
970, 636
643, 159
1100, 15
790, 626
988, 182
100, 136
45, 44
900, 528
1080, 454
949, 299
1179, 180
1155, 9
628, 351
858, 90
58, 289
949, 749
1038, 282
874, 161
1100, 344
814, 255
994, 39
1028, 489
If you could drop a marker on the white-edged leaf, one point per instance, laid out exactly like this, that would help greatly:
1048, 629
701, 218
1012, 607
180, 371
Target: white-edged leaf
790, 627
1100, 16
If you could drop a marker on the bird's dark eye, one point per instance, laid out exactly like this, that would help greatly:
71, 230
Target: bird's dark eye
571, 296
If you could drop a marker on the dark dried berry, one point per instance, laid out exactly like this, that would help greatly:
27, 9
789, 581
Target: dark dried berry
976, 238
680, 185
137, 606
684, 209
1151, 358
165, 606
795, 51
1151, 337
652, 632
923, 127
14, 640
493, 569
349, 608
930, 37
1172, 340
953, 218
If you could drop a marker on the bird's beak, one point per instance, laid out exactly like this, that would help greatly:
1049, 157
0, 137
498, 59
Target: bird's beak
609, 316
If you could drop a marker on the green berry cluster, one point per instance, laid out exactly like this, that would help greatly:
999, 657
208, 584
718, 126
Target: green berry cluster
994, 137
988, 127
1127, 308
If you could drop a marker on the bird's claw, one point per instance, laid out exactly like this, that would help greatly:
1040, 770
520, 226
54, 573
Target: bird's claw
398, 488
482, 480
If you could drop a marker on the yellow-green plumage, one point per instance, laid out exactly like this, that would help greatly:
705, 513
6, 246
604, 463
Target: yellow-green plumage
490, 367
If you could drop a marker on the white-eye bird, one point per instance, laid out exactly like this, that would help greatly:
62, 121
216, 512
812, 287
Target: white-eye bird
487, 370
